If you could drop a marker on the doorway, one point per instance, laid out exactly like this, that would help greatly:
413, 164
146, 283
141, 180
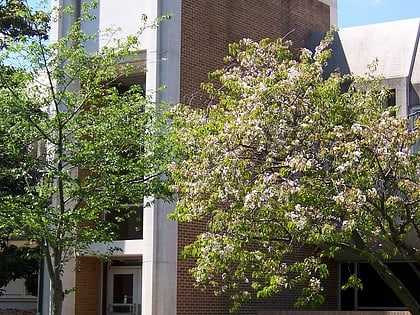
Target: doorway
124, 290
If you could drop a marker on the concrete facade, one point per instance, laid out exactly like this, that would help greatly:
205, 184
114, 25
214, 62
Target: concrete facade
395, 48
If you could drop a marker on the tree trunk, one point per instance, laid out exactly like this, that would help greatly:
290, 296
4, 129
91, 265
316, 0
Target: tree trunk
57, 298
396, 285
386, 274
54, 272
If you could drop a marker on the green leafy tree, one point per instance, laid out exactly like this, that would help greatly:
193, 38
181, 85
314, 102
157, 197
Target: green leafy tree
281, 158
18, 19
86, 147
16, 262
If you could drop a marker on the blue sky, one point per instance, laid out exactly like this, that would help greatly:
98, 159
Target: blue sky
361, 12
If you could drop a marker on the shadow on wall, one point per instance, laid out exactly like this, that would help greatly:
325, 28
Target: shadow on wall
338, 60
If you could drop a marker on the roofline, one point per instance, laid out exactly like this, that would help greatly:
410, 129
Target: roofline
380, 23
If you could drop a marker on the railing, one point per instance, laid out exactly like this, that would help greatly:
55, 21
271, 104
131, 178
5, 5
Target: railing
124, 309
413, 116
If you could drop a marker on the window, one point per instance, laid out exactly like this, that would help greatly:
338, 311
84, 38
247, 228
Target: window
124, 84
376, 295
131, 225
392, 101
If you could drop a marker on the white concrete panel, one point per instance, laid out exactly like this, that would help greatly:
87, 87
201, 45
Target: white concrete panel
392, 43
69, 283
124, 247
165, 279
148, 269
401, 86
415, 79
124, 14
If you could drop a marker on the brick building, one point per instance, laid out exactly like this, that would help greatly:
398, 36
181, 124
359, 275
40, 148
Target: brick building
147, 276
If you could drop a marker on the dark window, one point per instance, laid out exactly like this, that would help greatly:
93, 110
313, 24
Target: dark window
124, 84
375, 293
392, 101
129, 221
347, 297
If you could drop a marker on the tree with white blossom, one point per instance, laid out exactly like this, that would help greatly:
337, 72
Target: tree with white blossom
281, 157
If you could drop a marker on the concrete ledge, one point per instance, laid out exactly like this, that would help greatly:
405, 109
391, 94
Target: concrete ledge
17, 312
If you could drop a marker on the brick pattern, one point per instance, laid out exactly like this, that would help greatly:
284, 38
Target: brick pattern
208, 27
191, 300
88, 281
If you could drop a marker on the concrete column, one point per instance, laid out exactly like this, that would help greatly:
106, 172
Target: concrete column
333, 11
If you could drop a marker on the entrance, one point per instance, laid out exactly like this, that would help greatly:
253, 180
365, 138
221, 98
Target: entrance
124, 291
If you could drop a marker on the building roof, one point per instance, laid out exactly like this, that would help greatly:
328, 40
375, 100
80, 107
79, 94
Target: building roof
393, 44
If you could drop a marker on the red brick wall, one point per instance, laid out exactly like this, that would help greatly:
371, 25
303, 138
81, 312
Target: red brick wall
191, 300
208, 26
88, 281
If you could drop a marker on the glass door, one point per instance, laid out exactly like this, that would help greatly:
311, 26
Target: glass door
124, 291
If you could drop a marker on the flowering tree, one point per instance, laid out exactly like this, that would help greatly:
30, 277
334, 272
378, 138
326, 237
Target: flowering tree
280, 157
84, 147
